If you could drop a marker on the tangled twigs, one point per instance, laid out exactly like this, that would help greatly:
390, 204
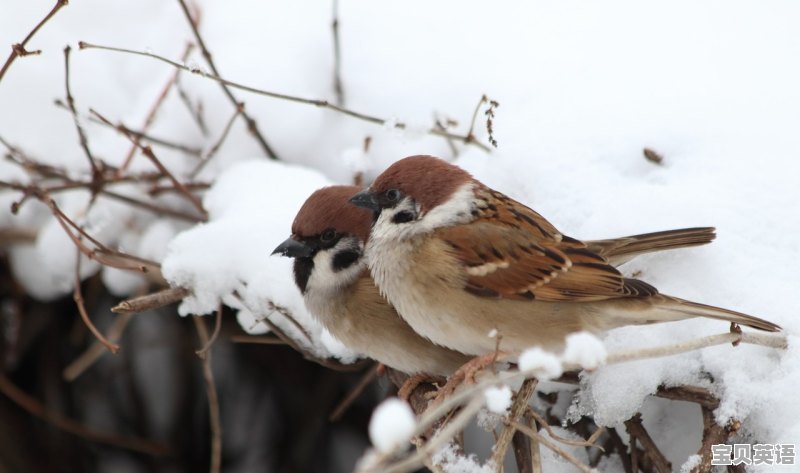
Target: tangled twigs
252, 127
151, 301
291, 98
18, 49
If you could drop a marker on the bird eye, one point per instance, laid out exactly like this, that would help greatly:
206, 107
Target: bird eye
328, 235
393, 195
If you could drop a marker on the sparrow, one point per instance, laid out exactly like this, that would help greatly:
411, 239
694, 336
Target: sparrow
327, 244
460, 261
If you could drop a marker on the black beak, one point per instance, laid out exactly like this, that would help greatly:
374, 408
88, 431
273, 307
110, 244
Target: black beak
293, 249
367, 200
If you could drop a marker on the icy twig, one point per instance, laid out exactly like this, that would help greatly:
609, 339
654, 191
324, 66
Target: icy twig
251, 122
315, 102
151, 301
213, 400
18, 49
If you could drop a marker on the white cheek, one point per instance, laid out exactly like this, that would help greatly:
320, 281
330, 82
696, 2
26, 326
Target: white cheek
324, 279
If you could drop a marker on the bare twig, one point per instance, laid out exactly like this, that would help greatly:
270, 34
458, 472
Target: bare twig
637, 431
81, 134
256, 340
526, 449
203, 352
251, 123
213, 400
18, 49
552, 446
337, 57
151, 115
359, 388
148, 152
213, 150
96, 350
315, 102
155, 208
37, 409
518, 408
78, 297
151, 301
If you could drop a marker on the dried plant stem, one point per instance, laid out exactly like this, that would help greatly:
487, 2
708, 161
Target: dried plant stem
552, 446
638, 432
251, 123
315, 102
213, 150
518, 409
213, 400
203, 352
81, 134
359, 388
151, 301
37, 409
78, 297
18, 49
96, 350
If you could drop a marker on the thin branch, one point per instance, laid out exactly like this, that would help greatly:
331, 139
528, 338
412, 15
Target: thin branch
151, 115
251, 123
256, 340
18, 49
518, 408
213, 150
96, 350
575, 443
213, 400
148, 152
552, 446
526, 449
203, 352
81, 134
151, 301
315, 102
637, 431
37, 409
337, 56
359, 388
155, 208
78, 297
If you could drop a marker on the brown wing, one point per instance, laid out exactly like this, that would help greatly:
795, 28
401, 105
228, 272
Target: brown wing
512, 252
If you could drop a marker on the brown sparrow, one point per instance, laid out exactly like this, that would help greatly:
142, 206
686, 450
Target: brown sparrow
327, 244
459, 261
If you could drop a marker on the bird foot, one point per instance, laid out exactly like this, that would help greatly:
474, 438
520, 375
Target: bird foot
413, 382
466, 374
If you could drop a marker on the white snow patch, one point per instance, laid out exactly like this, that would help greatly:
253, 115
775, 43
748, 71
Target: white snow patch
452, 461
498, 398
544, 365
584, 350
392, 425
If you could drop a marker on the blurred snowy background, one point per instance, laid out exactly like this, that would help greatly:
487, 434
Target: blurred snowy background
583, 87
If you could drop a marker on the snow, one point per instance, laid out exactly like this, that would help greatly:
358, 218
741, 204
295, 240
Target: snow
392, 425
583, 87
452, 461
543, 364
498, 398
585, 350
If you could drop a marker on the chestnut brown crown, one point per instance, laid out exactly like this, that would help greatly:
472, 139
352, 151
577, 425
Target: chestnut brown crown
430, 181
328, 208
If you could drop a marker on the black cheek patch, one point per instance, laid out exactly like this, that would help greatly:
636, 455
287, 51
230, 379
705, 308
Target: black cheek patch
302, 271
403, 217
345, 259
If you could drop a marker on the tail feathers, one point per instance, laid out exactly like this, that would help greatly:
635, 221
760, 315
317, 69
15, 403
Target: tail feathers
621, 250
690, 309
